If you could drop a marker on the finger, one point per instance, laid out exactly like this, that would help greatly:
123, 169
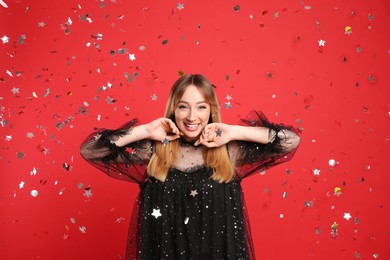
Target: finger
209, 144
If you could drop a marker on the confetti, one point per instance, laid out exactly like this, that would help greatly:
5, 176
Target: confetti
237, 8
337, 191
218, 132
132, 57
20, 155
34, 193
88, 192
332, 162
3, 4
321, 42
348, 30
154, 97
347, 215
165, 141
15, 90
334, 232
5, 39
33, 172
180, 6
83, 229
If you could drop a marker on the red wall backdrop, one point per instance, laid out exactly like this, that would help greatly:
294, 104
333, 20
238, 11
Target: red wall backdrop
70, 66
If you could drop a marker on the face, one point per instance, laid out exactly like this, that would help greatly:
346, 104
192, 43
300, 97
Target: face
192, 113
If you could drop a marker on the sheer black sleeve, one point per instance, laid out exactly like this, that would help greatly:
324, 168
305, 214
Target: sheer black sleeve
251, 157
125, 163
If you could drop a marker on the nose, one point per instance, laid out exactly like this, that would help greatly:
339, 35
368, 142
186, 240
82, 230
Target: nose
191, 115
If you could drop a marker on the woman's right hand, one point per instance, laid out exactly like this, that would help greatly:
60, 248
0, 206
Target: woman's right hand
163, 128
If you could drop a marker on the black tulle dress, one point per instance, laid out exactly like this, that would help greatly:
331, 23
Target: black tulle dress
189, 216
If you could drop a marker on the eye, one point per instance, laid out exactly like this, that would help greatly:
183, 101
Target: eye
203, 107
182, 106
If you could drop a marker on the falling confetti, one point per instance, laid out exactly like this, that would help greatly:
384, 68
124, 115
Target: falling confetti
347, 215
335, 229
348, 30
337, 191
5, 39
3, 4
154, 97
34, 193
165, 141
332, 162
180, 6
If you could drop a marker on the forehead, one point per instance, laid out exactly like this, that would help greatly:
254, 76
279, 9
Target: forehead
192, 94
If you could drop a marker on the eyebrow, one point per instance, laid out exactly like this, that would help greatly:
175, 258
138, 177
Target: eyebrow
199, 102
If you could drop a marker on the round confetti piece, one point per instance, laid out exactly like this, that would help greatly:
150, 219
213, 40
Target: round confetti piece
34, 193
332, 162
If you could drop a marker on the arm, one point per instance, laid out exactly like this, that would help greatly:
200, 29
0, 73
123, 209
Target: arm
255, 145
125, 152
156, 130
217, 134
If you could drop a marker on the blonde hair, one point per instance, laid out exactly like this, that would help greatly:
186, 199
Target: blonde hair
166, 155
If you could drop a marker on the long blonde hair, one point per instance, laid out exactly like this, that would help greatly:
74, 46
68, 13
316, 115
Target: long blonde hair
166, 155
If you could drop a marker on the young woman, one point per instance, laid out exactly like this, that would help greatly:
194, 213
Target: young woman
189, 166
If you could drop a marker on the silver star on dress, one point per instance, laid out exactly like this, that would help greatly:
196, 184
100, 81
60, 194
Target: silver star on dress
156, 213
194, 193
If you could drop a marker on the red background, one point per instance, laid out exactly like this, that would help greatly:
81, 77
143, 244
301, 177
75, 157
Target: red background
59, 80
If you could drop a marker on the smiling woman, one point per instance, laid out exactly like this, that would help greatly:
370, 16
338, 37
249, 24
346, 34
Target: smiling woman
189, 166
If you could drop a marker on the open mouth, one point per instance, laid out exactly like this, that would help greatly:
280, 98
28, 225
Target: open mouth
192, 127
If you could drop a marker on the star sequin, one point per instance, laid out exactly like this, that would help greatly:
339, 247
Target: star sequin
83, 229
132, 56
347, 215
41, 24
229, 97
180, 6
165, 141
218, 132
5, 39
154, 97
194, 193
321, 42
228, 105
316, 172
156, 213
15, 90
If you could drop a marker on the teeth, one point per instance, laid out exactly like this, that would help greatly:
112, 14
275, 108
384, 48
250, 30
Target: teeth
192, 126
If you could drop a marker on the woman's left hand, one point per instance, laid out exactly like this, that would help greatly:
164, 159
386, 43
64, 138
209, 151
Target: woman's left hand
215, 135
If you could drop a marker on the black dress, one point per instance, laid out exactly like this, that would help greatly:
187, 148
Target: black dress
189, 215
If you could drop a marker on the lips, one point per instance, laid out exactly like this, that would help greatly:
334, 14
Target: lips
191, 127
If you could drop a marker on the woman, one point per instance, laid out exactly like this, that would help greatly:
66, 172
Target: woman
189, 166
